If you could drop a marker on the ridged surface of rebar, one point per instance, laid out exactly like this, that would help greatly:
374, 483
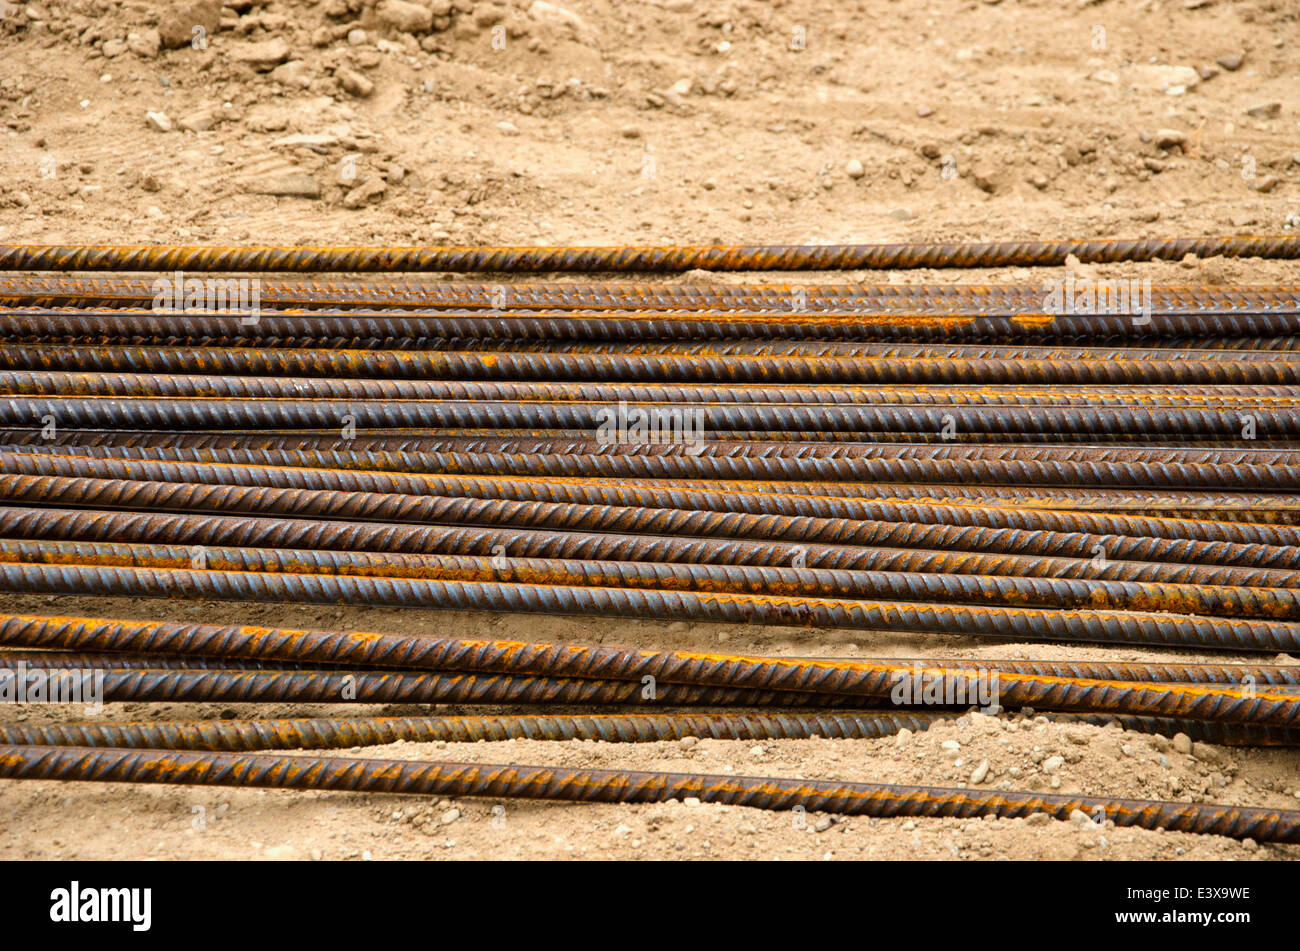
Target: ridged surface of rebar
734, 258
342, 732
1233, 704
286, 771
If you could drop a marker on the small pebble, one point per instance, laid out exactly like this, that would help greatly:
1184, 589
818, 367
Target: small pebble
1169, 138
979, 773
1053, 763
1265, 110
1183, 744
854, 169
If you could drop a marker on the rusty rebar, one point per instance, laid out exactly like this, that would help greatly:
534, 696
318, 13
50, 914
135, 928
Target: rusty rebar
137, 385
1028, 624
370, 546
1185, 422
1042, 592
344, 732
1257, 453
897, 525
859, 678
625, 367
953, 323
713, 258
716, 461
293, 771
65, 660
277, 290
1260, 676
97, 291
819, 499
1221, 674
1146, 671
304, 685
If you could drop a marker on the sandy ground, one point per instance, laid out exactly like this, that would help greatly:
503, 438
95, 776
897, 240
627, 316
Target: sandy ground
675, 121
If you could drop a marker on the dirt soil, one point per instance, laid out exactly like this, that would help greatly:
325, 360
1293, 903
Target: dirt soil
672, 121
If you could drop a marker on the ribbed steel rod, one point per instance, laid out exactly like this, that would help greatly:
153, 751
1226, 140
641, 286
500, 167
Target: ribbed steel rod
823, 500
1267, 420
95, 291
640, 258
66, 290
715, 462
896, 525
58, 383
1050, 347
1067, 594
778, 497
344, 732
1155, 672
1053, 347
441, 512
954, 323
1030, 624
293, 771
1243, 453
679, 368
65, 660
376, 545
1237, 704
502, 456
212, 685
1220, 674
400, 438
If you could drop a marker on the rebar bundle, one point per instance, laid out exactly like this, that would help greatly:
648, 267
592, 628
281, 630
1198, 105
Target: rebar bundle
1069, 461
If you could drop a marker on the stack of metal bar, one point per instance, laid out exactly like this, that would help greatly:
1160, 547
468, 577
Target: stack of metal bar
1074, 461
